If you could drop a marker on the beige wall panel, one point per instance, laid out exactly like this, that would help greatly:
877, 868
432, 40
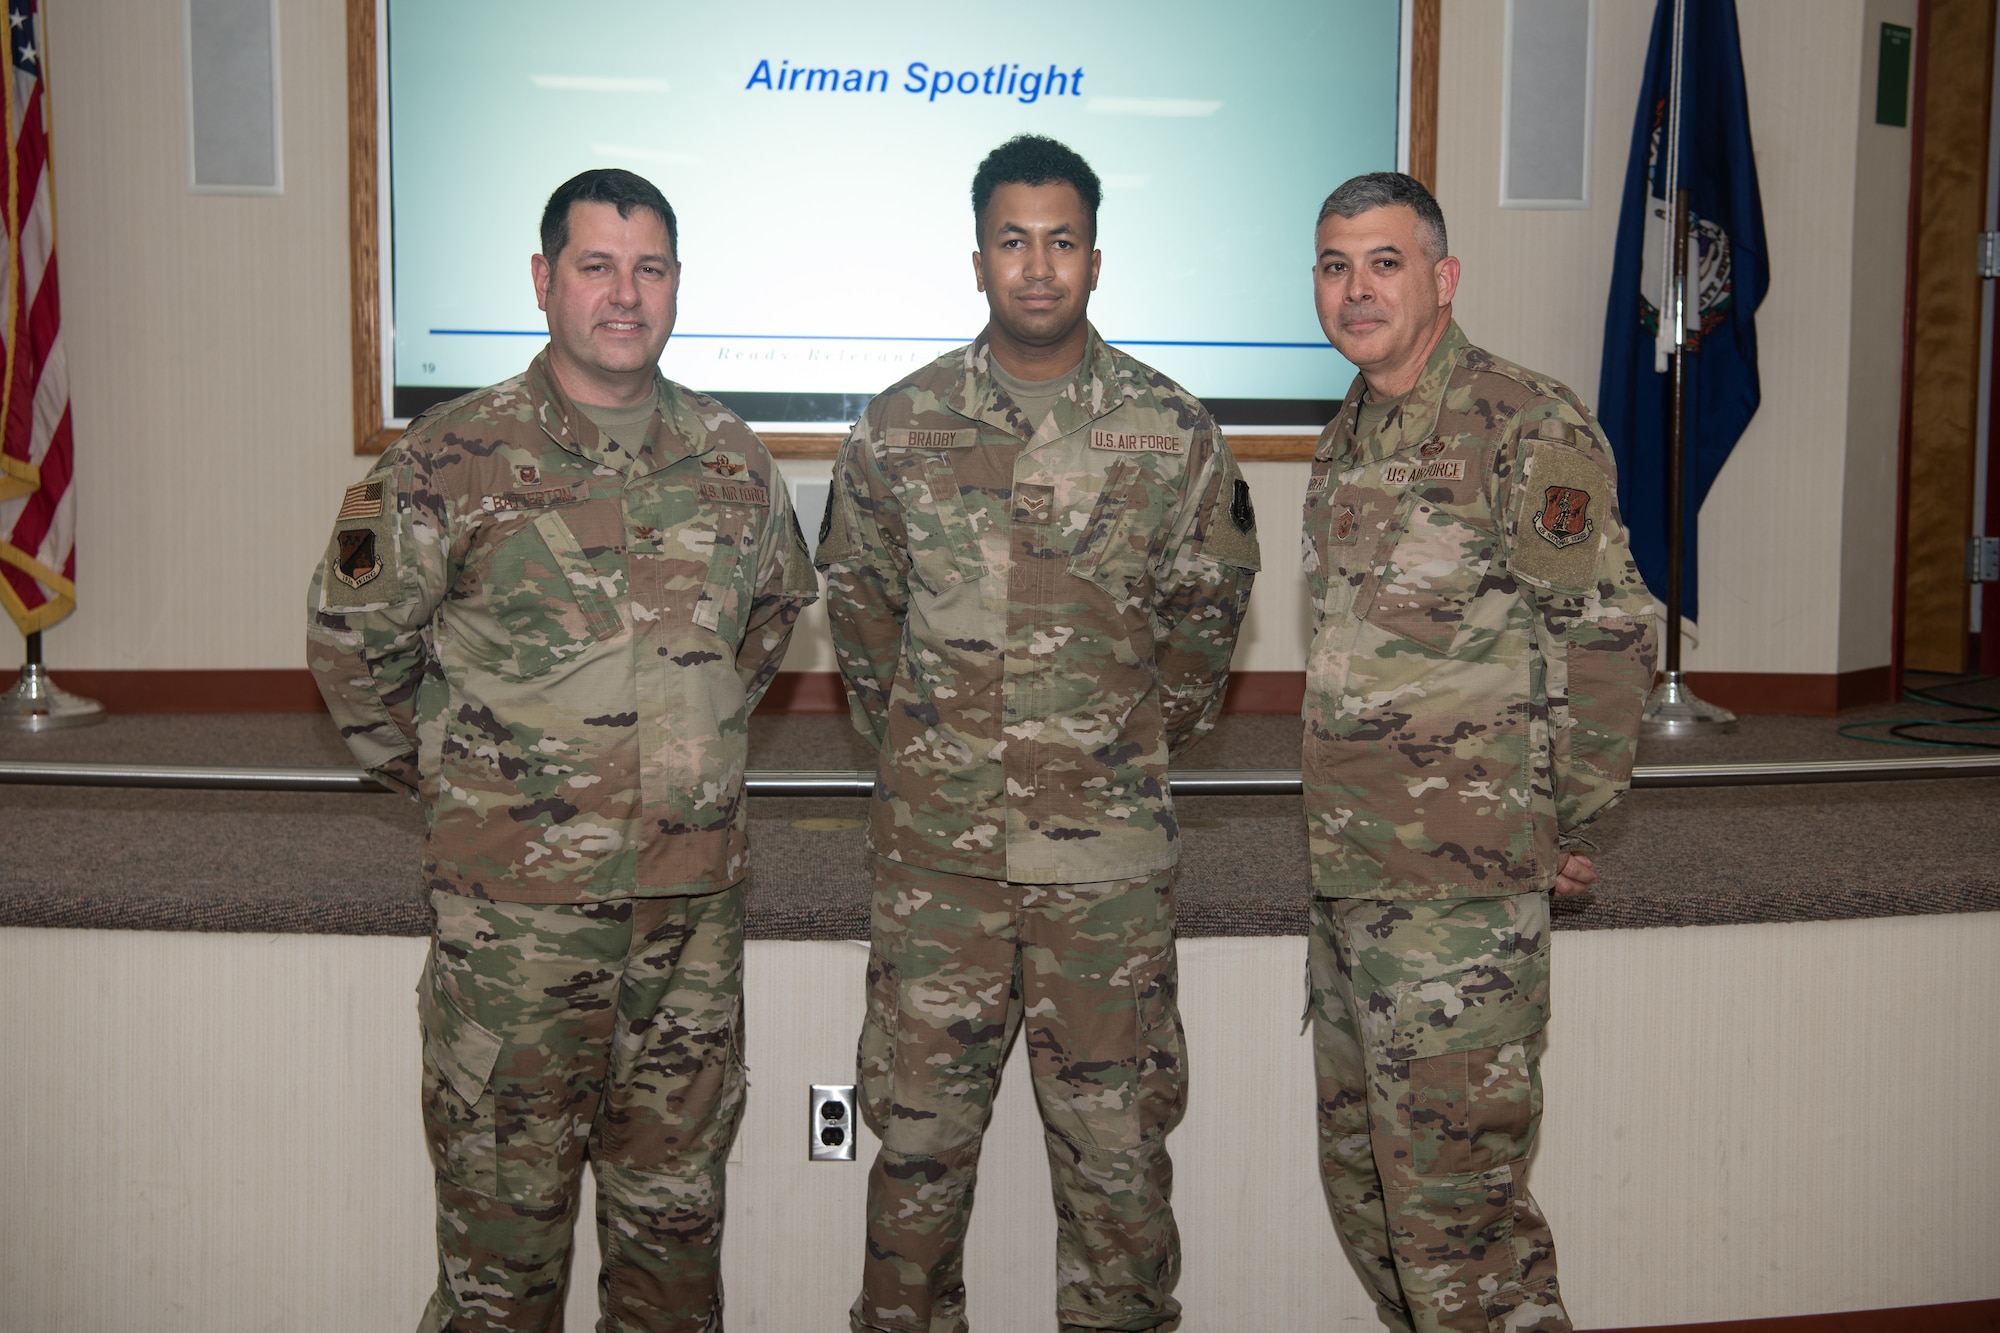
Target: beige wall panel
208, 339
1770, 551
1774, 589
219, 1133
1875, 362
208, 352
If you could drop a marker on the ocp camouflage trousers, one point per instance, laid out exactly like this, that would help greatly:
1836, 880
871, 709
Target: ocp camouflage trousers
1428, 1025
554, 1034
957, 966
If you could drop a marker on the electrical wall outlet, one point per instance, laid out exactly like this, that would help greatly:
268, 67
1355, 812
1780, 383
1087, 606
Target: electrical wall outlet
832, 1122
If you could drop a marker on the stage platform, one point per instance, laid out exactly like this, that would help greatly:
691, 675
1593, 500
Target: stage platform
348, 864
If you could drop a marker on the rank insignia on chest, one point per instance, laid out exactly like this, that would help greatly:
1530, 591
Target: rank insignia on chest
1563, 520
357, 562
1034, 504
1345, 521
724, 464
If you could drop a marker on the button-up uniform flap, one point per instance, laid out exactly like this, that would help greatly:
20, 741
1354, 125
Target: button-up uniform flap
462, 1052
1472, 1009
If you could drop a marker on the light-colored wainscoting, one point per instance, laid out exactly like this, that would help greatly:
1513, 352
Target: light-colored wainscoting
219, 1133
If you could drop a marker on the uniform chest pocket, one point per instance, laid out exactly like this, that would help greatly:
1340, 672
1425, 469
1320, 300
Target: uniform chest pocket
1117, 547
723, 605
1430, 577
545, 592
700, 574
944, 548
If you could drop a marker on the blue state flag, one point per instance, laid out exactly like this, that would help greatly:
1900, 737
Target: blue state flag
1728, 274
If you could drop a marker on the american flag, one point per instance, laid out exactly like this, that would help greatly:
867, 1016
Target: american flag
37, 506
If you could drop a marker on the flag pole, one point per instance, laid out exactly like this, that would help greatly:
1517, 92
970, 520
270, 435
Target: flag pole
1672, 709
35, 704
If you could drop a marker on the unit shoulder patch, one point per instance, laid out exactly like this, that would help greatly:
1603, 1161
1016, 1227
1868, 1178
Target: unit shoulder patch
1561, 502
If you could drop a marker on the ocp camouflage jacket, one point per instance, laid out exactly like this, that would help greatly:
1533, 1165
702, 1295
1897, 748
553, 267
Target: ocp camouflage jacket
558, 645
1030, 622
1483, 643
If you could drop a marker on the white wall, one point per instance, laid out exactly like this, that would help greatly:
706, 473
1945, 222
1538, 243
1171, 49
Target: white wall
209, 339
220, 1133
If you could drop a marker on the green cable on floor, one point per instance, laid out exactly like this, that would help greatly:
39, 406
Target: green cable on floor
1989, 720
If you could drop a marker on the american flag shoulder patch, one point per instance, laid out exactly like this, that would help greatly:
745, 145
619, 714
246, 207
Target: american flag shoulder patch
361, 500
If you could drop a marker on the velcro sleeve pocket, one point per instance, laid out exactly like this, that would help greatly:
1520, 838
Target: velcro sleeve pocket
458, 1050
1475, 1008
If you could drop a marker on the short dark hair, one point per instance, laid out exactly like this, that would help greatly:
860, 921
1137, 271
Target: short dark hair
1031, 159
622, 189
1386, 189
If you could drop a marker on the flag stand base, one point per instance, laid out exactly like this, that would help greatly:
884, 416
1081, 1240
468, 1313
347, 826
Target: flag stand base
35, 704
1672, 709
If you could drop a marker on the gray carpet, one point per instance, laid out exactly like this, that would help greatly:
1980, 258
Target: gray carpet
347, 864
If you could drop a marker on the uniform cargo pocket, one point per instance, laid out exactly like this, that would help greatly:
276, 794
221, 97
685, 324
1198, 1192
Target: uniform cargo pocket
1162, 1056
1473, 1039
875, 1056
459, 1058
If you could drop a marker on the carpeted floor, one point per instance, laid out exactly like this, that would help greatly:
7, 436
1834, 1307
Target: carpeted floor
348, 864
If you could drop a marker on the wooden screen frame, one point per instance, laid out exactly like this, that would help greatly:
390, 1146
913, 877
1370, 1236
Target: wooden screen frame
364, 247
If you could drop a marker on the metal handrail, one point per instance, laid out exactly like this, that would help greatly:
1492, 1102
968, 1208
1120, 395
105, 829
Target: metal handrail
769, 783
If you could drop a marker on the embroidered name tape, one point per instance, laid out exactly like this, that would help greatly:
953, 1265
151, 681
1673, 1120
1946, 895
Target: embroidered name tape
361, 500
1316, 483
508, 501
1409, 474
1127, 442
734, 492
929, 439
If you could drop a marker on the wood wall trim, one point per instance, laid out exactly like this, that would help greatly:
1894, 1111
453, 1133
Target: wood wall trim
291, 690
1957, 81
1959, 1317
364, 263
1426, 22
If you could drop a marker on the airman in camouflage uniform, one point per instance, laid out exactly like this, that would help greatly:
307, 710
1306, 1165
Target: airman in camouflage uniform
1035, 586
548, 612
1482, 650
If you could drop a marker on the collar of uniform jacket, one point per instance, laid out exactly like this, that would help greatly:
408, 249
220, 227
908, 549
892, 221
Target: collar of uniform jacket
676, 432
1097, 389
1409, 427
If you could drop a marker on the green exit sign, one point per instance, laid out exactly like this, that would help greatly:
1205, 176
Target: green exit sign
1892, 77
